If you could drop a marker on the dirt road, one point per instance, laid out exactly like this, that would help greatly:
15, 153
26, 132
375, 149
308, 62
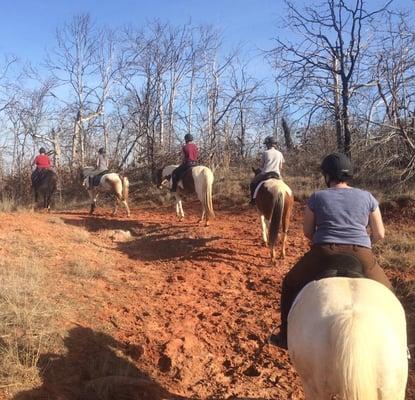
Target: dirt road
174, 310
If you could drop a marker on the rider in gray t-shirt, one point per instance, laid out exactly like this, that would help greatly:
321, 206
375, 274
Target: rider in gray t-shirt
342, 215
335, 220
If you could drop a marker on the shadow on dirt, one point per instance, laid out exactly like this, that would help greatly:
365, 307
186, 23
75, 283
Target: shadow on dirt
93, 369
161, 247
94, 223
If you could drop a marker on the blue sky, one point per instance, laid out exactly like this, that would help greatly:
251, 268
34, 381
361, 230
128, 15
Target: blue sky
27, 27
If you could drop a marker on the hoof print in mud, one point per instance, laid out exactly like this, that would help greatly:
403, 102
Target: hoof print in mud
164, 363
252, 371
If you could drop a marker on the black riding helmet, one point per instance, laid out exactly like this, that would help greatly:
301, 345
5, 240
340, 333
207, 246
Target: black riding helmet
188, 137
42, 150
338, 167
270, 141
101, 150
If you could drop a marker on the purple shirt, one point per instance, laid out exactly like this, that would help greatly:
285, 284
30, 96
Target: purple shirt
342, 215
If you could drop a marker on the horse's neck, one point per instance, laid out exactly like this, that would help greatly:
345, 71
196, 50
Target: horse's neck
89, 171
168, 170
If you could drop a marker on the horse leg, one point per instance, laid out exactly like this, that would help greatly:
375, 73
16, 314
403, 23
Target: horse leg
126, 207
93, 198
201, 219
264, 228
286, 216
181, 210
179, 207
114, 211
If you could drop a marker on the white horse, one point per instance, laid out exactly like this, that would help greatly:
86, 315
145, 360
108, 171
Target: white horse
110, 182
347, 340
198, 179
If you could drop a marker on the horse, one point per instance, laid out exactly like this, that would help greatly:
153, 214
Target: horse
274, 201
347, 340
108, 182
199, 180
44, 182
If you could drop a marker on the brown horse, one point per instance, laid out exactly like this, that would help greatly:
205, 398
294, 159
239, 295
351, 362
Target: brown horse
274, 200
44, 182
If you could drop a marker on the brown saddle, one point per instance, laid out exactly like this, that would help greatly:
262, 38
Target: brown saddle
344, 265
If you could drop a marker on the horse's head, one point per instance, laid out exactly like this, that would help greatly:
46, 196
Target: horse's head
163, 176
256, 171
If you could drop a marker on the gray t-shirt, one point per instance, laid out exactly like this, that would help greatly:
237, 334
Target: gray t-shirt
342, 215
271, 161
102, 163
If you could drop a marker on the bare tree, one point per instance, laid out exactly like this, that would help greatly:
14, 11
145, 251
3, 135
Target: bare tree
322, 66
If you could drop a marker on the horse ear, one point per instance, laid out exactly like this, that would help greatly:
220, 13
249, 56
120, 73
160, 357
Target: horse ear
253, 170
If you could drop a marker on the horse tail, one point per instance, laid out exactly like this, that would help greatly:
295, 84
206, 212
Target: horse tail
278, 196
353, 361
207, 192
125, 187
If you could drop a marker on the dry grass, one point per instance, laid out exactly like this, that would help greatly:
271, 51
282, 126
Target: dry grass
397, 251
80, 268
27, 325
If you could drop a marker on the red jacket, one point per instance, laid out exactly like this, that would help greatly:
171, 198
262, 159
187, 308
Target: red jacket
190, 152
42, 161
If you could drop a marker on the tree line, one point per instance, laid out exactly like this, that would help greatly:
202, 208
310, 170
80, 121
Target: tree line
342, 77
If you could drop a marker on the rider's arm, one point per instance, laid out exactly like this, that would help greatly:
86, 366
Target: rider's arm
262, 162
309, 223
376, 226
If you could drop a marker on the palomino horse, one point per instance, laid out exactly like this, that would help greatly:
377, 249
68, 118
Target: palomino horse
274, 201
109, 183
197, 179
44, 182
347, 340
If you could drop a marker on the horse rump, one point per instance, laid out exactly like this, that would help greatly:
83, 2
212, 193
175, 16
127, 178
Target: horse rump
347, 340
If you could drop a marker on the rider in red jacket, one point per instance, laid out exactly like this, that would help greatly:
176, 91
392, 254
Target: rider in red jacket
190, 154
42, 161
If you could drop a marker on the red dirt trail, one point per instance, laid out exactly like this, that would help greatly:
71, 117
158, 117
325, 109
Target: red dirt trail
180, 311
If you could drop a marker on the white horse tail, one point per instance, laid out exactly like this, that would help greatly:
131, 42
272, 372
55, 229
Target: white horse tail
207, 192
276, 216
352, 354
125, 186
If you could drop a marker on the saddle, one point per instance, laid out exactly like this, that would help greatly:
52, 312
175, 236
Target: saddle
38, 175
268, 175
185, 180
96, 179
342, 265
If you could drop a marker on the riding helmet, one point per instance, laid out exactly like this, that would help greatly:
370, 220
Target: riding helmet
338, 167
188, 137
101, 150
42, 150
270, 141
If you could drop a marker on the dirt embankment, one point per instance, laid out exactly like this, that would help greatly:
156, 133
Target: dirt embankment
167, 310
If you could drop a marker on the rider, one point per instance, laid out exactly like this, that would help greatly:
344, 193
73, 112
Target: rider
272, 160
102, 162
190, 153
335, 220
42, 162
100, 168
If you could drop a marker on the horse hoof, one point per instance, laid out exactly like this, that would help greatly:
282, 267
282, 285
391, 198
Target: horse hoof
207, 223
